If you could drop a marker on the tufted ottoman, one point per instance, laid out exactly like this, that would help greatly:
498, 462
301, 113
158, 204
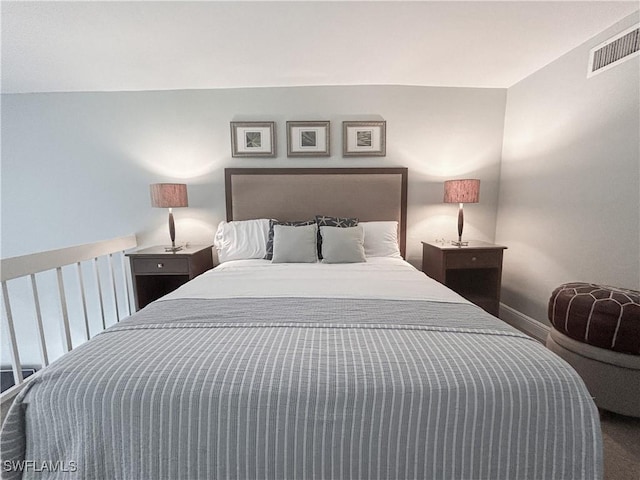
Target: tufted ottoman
596, 329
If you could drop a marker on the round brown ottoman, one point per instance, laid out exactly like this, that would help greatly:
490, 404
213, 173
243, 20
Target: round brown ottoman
596, 329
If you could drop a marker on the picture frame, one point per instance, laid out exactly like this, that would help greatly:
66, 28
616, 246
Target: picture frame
308, 139
253, 139
364, 139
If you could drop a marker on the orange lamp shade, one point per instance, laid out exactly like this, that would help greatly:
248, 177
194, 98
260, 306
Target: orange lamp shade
462, 191
169, 195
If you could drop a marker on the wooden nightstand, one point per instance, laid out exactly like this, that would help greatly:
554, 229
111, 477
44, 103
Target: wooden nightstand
156, 272
474, 271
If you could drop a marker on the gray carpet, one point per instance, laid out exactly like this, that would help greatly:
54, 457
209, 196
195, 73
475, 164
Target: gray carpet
621, 437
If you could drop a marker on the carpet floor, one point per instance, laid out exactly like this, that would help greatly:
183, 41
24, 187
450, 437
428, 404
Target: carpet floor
621, 438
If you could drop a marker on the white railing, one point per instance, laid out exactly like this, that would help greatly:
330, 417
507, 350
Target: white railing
74, 259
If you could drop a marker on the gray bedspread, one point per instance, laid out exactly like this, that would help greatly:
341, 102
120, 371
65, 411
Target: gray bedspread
291, 388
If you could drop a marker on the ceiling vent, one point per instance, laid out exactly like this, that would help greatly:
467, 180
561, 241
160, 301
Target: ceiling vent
614, 51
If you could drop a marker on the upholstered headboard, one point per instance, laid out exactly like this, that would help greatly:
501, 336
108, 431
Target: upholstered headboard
287, 194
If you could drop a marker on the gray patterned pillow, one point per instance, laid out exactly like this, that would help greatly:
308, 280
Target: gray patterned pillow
324, 221
269, 255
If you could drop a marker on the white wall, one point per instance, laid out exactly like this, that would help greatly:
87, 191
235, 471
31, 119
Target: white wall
569, 204
76, 167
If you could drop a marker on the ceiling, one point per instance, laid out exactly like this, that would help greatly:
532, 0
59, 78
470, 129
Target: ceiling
144, 45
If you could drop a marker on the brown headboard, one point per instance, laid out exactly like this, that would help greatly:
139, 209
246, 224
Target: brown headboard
287, 194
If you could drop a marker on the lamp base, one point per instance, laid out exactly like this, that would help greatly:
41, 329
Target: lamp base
173, 249
459, 243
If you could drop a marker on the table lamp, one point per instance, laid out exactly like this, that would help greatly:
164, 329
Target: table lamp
461, 192
170, 195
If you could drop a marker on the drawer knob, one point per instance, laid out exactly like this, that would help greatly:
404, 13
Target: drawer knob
160, 265
473, 259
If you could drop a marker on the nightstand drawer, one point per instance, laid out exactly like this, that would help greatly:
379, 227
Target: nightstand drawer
474, 270
156, 272
473, 259
161, 265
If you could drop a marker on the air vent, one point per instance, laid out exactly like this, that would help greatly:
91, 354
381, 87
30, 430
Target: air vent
614, 51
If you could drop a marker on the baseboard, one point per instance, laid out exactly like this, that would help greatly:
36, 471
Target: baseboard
524, 323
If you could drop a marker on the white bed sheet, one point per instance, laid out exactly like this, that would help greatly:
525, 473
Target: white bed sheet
383, 278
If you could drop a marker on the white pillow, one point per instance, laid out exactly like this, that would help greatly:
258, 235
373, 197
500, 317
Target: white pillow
381, 239
295, 244
242, 240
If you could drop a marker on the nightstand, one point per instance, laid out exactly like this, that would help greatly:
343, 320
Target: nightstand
156, 272
473, 271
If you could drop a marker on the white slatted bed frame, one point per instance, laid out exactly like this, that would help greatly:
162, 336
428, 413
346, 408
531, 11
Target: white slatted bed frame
30, 265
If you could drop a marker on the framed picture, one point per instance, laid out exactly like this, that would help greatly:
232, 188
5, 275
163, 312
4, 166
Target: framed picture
253, 139
364, 139
308, 139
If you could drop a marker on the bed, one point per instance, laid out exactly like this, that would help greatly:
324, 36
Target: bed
259, 369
